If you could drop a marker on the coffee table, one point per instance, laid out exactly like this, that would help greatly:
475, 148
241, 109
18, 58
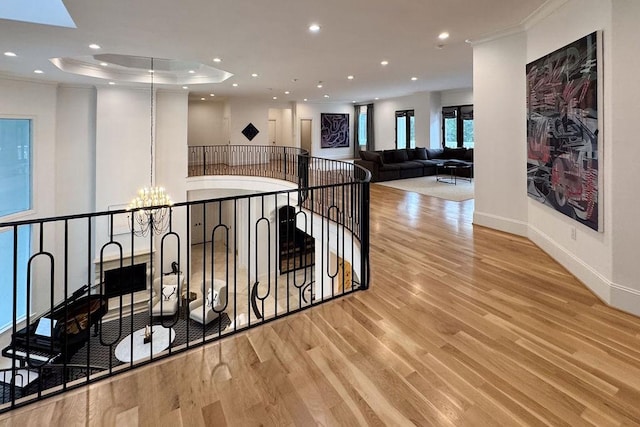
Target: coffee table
453, 173
162, 338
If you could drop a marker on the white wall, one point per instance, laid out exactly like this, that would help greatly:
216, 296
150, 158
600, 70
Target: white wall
435, 125
75, 182
244, 111
590, 252
206, 123
313, 111
385, 119
284, 122
171, 164
623, 152
607, 261
500, 126
123, 135
455, 97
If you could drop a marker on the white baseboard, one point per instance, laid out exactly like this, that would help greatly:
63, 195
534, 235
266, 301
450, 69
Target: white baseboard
625, 299
612, 294
500, 223
598, 284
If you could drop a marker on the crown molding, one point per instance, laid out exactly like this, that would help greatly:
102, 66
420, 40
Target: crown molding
546, 9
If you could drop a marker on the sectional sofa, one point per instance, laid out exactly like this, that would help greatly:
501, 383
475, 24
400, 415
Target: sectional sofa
386, 165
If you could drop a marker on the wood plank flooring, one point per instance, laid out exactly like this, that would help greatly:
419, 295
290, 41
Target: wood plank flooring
462, 326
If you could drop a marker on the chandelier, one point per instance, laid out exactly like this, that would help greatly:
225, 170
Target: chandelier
151, 208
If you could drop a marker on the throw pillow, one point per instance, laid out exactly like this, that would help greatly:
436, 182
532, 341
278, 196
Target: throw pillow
169, 291
421, 153
401, 156
411, 152
454, 153
389, 156
371, 156
434, 153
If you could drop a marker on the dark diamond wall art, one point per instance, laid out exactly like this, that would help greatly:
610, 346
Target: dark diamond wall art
250, 131
334, 130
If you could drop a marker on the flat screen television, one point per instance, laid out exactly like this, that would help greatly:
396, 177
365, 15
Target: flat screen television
121, 281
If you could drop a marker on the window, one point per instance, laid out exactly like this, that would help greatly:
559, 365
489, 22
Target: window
405, 129
15, 166
362, 127
457, 126
15, 193
6, 274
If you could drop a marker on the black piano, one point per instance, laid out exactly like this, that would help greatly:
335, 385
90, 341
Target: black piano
57, 335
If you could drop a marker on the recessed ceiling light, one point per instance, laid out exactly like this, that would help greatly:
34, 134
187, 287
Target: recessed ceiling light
212, 94
443, 36
286, 92
185, 87
10, 54
235, 85
353, 102
112, 83
202, 99
384, 63
326, 96
217, 60
254, 75
350, 77
38, 71
94, 46
192, 71
376, 98
151, 71
414, 78
305, 100
104, 64
275, 97
319, 86
314, 28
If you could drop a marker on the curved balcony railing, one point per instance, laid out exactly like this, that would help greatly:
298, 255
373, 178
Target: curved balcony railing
84, 288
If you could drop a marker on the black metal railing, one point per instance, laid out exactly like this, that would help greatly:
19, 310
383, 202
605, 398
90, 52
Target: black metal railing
92, 298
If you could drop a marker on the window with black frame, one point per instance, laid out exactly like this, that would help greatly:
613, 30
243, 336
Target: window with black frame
405, 129
457, 126
15, 193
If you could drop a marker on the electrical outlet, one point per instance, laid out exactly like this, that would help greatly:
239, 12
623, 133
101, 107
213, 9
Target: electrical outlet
573, 233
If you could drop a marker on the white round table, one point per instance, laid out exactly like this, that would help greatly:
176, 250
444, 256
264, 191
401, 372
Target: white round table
162, 337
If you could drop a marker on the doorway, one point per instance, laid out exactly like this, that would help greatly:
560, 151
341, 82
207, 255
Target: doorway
272, 132
305, 135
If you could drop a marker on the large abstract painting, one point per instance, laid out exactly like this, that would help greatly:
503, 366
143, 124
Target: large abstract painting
334, 130
562, 131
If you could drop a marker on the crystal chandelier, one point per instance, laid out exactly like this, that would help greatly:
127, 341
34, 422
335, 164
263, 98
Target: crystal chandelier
151, 208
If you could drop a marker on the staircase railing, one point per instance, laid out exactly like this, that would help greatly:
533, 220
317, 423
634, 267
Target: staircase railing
91, 298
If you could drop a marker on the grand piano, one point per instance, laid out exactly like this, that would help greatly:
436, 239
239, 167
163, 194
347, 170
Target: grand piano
57, 335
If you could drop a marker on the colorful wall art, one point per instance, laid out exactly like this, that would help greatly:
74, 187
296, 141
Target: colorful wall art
562, 131
334, 130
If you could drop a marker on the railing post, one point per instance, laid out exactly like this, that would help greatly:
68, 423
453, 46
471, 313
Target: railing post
303, 178
364, 236
284, 151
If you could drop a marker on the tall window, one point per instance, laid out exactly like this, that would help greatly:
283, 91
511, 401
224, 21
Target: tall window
457, 126
362, 127
15, 194
405, 129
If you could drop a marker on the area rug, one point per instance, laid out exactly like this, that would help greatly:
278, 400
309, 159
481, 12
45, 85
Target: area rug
427, 185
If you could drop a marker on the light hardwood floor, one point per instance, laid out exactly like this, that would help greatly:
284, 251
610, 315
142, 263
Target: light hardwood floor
462, 325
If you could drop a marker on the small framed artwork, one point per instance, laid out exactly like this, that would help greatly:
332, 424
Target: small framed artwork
334, 130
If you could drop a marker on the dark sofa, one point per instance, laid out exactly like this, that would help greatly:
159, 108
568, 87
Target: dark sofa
386, 165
